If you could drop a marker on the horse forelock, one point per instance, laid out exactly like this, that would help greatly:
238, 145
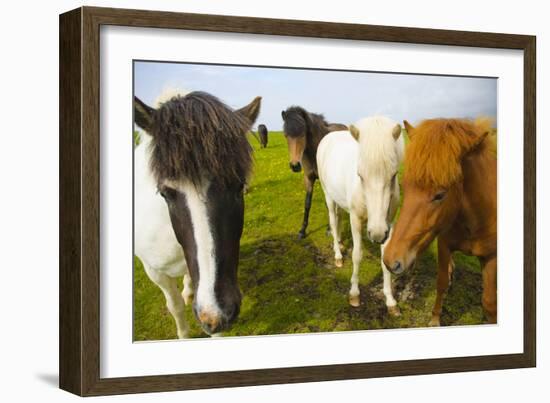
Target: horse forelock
295, 121
298, 121
198, 138
380, 153
434, 154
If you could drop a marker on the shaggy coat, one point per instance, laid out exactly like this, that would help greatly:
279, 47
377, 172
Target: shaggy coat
198, 138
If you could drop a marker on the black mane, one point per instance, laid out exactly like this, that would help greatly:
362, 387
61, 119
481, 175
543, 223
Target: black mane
196, 138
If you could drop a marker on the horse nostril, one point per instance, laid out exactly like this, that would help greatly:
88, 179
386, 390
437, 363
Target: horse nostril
397, 268
210, 322
297, 167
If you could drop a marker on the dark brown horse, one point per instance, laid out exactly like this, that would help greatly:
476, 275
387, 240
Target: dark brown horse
450, 193
303, 132
262, 133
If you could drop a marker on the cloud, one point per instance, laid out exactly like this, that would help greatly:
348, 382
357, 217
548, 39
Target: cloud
167, 94
341, 96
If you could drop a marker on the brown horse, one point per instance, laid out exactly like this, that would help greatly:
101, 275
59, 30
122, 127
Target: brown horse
450, 192
304, 131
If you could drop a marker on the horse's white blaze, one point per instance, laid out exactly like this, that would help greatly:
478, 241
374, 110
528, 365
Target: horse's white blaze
206, 254
356, 175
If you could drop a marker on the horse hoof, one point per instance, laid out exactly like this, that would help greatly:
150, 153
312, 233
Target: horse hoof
354, 300
434, 322
338, 263
394, 311
301, 235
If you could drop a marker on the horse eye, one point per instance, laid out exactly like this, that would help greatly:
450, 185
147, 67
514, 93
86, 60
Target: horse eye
393, 177
439, 196
162, 192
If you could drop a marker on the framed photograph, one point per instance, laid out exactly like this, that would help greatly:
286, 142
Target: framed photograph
248, 201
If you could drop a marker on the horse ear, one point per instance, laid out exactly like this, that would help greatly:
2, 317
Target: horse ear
252, 110
409, 128
283, 115
143, 114
396, 132
354, 132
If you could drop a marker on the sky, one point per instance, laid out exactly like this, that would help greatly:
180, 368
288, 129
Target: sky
343, 97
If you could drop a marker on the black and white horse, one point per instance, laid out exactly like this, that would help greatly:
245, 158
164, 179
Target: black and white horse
190, 169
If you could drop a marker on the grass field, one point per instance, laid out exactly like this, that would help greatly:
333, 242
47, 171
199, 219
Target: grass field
292, 286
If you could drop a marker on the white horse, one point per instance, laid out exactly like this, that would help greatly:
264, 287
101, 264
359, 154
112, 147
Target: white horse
358, 172
155, 242
189, 173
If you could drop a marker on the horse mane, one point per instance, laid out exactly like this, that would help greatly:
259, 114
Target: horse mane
197, 137
434, 154
297, 118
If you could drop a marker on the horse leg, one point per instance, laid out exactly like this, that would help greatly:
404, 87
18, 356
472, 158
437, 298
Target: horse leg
328, 230
188, 291
174, 300
443, 265
451, 271
489, 297
308, 182
333, 222
356, 226
391, 303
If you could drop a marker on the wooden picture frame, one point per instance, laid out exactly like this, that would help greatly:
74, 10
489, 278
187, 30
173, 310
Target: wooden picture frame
80, 185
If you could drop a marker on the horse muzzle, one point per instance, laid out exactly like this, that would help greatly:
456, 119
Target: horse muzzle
397, 268
295, 166
378, 238
216, 322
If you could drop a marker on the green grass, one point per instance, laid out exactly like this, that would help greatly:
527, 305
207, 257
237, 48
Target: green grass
292, 286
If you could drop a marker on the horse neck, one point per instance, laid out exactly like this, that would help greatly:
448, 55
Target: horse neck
479, 204
314, 135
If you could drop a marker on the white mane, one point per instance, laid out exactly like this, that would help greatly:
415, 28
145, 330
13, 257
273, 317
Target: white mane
381, 153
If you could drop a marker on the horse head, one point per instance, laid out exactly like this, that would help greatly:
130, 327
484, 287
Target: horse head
296, 124
380, 154
201, 158
433, 186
